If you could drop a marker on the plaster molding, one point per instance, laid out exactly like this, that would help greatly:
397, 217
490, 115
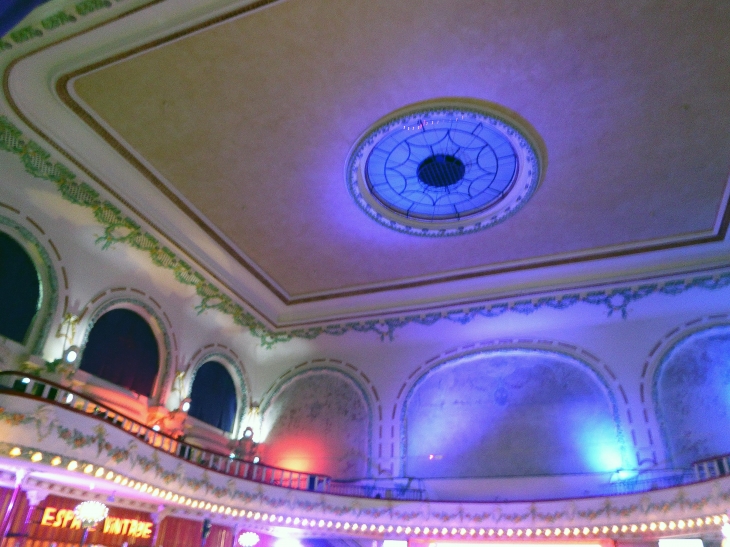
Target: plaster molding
345, 370
261, 505
662, 350
120, 228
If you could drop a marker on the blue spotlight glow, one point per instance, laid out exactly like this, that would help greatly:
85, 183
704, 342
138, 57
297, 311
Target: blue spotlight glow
600, 450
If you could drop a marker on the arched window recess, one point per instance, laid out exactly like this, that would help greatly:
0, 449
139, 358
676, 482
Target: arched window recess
214, 393
126, 346
29, 288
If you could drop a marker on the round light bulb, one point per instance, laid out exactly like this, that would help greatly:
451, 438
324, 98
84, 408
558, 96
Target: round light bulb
248, 539
90, 513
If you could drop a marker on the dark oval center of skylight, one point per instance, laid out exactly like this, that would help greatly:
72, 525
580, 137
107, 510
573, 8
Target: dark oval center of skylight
441, 170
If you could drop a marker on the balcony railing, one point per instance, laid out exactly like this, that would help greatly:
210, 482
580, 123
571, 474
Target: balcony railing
656, 482
710, 468
378, 492
19, 383
26, 385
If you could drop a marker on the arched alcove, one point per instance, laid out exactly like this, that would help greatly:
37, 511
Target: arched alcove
122, 349
510, 412
692, 396
213, 396
20, 287
318, 422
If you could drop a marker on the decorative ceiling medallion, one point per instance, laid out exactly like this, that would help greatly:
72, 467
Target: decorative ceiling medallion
445, 167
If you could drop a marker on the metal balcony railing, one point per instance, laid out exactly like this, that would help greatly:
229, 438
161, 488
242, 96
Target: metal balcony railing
342, 488
646, 484
26, 385
18, 383
710, 468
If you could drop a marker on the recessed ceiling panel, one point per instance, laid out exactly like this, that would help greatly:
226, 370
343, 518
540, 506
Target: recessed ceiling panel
252, 120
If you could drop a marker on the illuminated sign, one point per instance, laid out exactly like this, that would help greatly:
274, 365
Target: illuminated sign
65, 518
127, 527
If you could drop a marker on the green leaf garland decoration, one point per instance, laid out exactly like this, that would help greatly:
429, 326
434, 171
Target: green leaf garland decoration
119, 228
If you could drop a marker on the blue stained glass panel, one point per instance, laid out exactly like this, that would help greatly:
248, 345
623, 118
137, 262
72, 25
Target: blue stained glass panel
441, 169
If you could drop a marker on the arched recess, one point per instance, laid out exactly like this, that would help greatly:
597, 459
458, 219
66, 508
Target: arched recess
159, 333
240, 392
691, 393
318, 420
18, 238
511, 412
21, 290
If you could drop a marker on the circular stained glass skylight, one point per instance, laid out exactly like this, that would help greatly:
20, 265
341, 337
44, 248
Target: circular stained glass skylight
444, 168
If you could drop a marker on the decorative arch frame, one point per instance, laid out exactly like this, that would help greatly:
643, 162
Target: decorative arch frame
327, 365
654, 362
231, 362
581, 356
37, 335
132, 301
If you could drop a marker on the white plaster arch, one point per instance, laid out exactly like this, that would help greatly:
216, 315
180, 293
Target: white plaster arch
150, 310
231, 362
31, 237
650, 368
358, 379
601, 371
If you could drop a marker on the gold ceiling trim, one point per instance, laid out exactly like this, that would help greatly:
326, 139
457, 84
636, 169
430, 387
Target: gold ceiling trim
207, 227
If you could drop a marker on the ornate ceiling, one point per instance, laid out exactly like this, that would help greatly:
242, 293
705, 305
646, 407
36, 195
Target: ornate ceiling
232, 125
214, 136
248, 123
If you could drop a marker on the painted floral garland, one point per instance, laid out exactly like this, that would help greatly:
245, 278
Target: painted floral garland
119, 228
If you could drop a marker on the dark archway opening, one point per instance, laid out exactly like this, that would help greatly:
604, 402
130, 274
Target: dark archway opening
213, 396
122, 349
20, 289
